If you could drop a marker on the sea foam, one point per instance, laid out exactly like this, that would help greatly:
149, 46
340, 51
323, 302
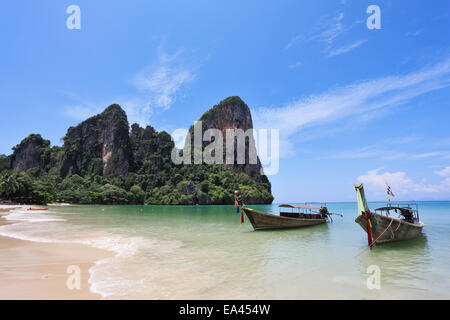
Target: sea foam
110, 277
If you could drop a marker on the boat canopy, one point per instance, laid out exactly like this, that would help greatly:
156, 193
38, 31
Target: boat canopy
402, 209
298, 207
406, 210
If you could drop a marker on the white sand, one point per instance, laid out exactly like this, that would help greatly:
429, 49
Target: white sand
33, 270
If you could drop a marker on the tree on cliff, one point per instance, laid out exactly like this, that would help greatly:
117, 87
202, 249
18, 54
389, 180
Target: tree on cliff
102, 161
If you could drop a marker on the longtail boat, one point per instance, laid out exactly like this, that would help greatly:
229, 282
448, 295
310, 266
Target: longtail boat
298, 217
381, 227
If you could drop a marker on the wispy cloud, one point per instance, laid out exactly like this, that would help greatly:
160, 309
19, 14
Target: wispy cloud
362, 100
81, 112
80, 108
385, 154
158, 86
162, 81
136, 108
347, 48
296, 39
333, 29
327, 31
414, 33
402, 140
296, 65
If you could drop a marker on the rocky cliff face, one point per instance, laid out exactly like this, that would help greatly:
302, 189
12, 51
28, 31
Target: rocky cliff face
28, 153
100, 145
102, 161
151, 149
233, 113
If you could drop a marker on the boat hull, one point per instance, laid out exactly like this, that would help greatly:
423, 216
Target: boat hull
264, 221
388, 229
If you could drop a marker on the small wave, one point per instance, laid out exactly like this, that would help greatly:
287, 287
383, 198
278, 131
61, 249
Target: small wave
6, 232
24, 215
120, 276
116, 276
28, 227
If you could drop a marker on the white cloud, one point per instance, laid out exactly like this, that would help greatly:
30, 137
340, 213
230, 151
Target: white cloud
385, 154
402, 140
444, 172
427, 155
80, 109
360, 101
328, 30
296, 65
81, 112
389, 149
347, 48
402, 186
162, 81
333, 29
138, 110
293, 42
415, 33
159, 86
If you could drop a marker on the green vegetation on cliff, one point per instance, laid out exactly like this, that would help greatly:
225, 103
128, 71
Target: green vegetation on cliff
103, 162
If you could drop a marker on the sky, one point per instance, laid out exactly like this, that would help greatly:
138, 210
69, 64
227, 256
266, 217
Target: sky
351, 104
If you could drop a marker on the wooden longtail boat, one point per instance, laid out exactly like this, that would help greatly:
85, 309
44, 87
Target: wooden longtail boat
381, 227
305, 216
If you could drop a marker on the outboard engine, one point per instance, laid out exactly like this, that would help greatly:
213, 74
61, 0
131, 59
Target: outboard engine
324, 211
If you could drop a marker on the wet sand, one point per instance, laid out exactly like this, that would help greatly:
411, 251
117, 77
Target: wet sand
33, 270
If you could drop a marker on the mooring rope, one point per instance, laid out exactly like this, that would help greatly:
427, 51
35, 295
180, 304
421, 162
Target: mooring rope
399, 224
392, 220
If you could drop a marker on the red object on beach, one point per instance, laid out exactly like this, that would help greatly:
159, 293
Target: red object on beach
32, 209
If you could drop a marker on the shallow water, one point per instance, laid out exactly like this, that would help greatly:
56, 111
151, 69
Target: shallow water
203, 252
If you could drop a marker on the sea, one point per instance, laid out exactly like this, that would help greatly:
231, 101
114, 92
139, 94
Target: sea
204, 252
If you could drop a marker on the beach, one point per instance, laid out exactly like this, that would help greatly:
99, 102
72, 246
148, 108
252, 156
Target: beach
37, 270
204, 252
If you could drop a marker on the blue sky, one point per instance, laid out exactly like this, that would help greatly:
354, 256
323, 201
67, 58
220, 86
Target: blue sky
352, 104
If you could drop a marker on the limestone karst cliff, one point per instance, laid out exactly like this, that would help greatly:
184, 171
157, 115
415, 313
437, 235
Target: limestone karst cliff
103, 161
99, 145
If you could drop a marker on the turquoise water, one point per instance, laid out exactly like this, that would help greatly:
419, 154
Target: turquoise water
203, 252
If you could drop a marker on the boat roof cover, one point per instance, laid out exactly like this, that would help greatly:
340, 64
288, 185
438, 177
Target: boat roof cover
298, 207
402, 209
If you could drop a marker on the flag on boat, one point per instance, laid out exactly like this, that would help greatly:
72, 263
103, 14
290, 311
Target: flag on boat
389, 191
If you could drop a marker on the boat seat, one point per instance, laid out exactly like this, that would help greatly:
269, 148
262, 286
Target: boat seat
289, 214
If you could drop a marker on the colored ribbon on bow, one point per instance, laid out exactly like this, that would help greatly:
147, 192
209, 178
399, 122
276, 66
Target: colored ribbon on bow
369, 230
